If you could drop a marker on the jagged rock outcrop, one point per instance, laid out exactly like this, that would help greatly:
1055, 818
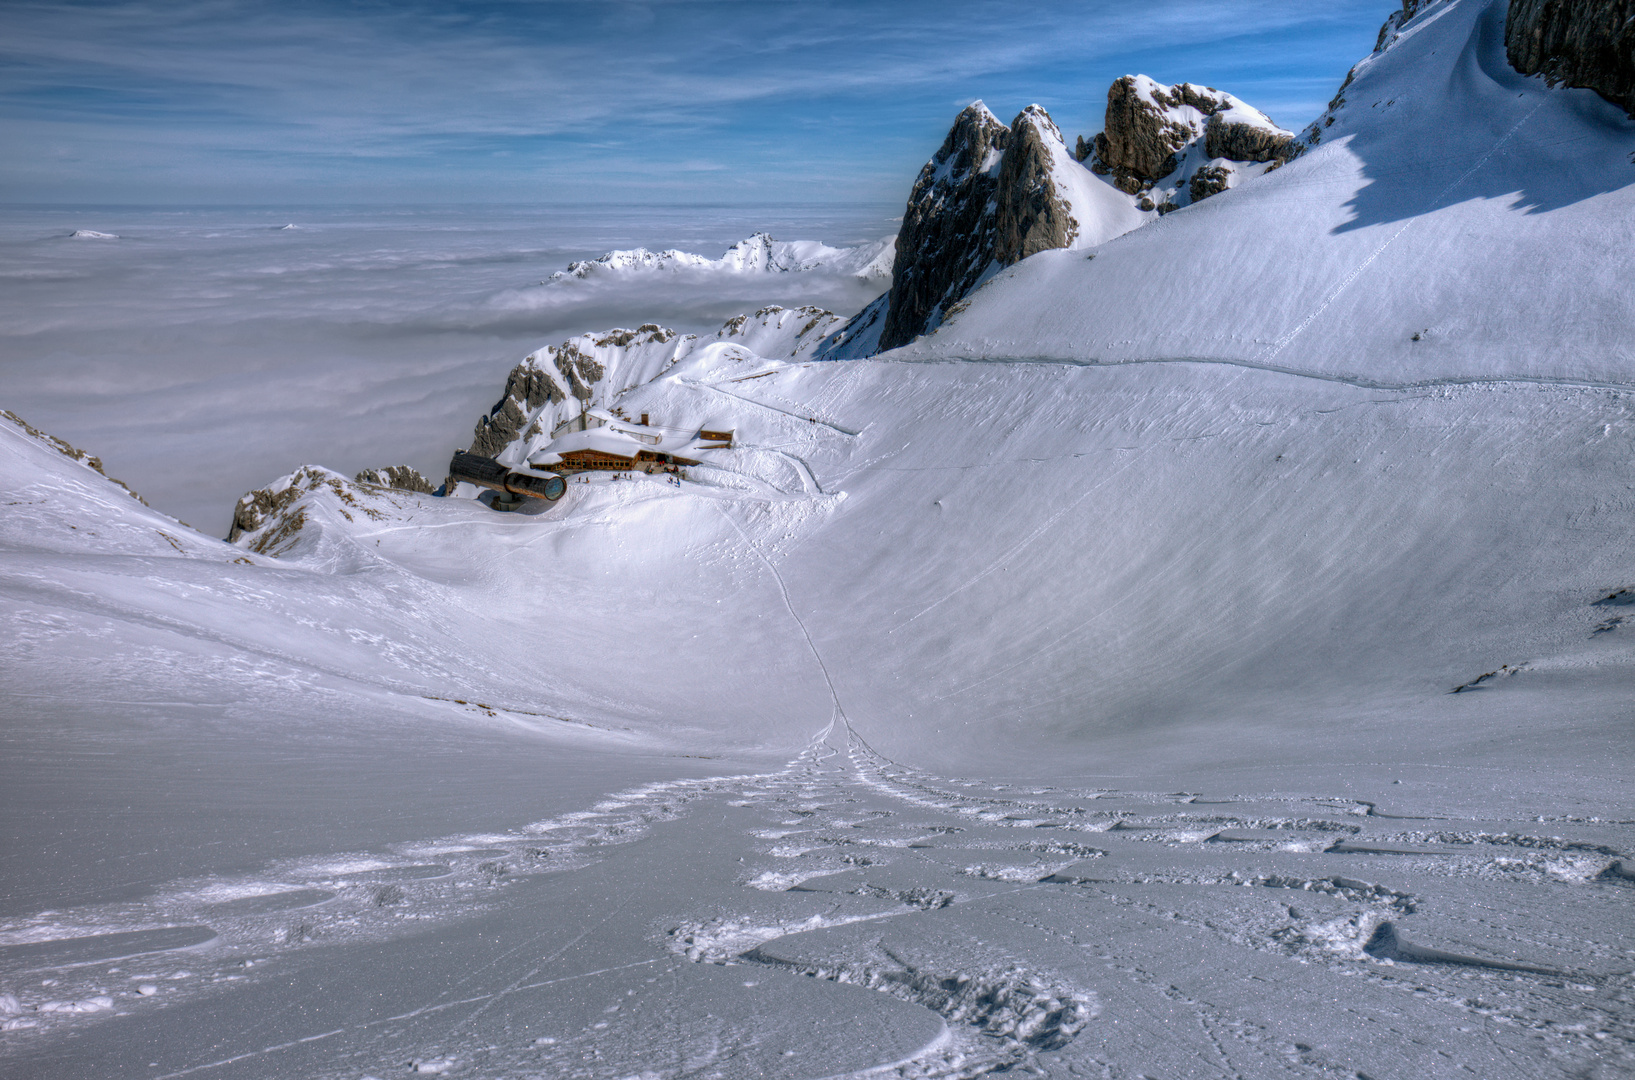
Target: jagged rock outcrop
290, 512
946, 239
1206, 181
1150, 126
1032, 213
1142, 131
1228, 134
992, 195
1588, 44
258, 509
401, 477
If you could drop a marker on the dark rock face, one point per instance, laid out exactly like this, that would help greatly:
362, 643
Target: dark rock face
1224, 138
1032, 215
990, 194
1206, 181
1588, 44
1139, 141
396, 476
946, 239
1143, 135
526, 389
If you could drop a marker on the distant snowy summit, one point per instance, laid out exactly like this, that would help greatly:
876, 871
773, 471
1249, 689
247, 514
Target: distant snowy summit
92, 234
758, 254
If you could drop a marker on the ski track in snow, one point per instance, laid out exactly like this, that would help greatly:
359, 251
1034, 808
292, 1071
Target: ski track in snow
1022, 917
1345, 283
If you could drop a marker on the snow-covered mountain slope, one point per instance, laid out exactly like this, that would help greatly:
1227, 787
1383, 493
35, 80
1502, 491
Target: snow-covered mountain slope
1252, 590
1454, 221
376, 595
757, 254
1061, 656
1012, 552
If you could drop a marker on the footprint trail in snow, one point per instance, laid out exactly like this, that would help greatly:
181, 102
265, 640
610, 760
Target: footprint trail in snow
847, 915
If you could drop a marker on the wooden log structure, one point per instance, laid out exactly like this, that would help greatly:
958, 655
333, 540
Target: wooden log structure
593, 460
488, 473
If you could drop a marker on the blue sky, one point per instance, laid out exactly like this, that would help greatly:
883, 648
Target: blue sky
563, 103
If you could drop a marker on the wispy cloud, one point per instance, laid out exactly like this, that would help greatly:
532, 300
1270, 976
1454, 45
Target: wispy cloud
226, 97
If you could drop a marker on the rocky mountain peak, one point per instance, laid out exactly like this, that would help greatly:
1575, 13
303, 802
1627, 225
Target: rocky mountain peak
994, 195
947, 236
972, 146
1149, 129
1032, 213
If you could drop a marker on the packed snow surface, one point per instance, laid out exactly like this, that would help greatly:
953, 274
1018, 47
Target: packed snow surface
975, 712
1200, 656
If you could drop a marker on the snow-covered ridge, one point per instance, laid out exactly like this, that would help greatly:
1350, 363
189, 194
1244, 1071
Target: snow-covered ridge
757, 254
66, 449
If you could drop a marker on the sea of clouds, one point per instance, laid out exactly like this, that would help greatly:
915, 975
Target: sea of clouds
201, 353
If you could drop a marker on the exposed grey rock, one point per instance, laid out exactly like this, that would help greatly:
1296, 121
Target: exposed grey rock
526, 388
266, 519
1032, 215
989, 196
580, 369
496, 430
1148, 126
1228, 138
1208, 180
1588, 44
1139, 141
396, 476
947, 236
266, 506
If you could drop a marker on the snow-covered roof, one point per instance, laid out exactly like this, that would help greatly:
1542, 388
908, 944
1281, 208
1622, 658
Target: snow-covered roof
621, 438
604, 440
